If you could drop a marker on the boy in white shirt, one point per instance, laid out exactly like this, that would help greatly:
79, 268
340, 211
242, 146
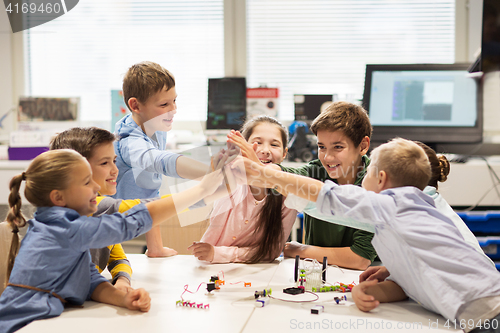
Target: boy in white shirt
428, 258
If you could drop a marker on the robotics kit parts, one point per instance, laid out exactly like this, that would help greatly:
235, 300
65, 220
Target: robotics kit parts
317, 309
340, 299
294, 290
263, 293
261, 302
342, 288
211, 286
192, 304
217, 281
311, 276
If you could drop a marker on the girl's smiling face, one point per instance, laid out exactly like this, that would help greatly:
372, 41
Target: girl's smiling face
81, 193
270, 147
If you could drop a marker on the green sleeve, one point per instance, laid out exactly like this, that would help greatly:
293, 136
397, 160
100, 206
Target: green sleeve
313, 169
303, 171
362, 245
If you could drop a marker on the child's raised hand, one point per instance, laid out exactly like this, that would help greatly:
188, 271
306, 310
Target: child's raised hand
138, 299
249, 172
247, 150
202, 251
218, 160
363, 301
233, 151
256, 172
379, 273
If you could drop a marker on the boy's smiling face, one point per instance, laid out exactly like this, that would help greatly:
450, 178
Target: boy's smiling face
104, 170
339, 156
157, 113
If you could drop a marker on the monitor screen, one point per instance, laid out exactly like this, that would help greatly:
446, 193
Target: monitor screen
490, 43
432, 103
308, 107
227, 103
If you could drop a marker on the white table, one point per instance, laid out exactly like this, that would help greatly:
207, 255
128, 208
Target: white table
232, 308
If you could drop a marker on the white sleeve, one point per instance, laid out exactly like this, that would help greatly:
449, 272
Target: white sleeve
295, 202
308, 207
354, 204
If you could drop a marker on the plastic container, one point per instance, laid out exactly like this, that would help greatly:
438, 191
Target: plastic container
484, 223
25, 153
490, 246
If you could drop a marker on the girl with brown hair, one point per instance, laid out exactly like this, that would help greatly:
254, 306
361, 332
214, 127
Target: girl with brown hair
257, 227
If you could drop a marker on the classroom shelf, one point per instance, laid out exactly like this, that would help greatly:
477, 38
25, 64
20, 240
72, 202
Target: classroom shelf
484, 223
490, 246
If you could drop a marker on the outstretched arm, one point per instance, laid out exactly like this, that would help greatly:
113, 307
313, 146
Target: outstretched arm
284, 182
163, 209
340, 256
189, 168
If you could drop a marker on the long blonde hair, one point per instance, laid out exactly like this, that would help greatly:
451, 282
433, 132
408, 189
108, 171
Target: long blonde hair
49, 171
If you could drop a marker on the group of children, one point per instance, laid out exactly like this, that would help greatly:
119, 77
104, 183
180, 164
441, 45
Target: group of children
90, 174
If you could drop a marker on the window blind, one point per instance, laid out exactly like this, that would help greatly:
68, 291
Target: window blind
322, 46
87, 51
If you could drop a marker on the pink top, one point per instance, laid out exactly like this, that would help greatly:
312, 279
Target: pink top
231, 230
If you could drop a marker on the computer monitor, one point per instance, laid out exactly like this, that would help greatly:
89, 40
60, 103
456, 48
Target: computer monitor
490, 38
431, 103
308, 107
227, 103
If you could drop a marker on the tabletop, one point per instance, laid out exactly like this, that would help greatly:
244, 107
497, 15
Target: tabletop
232, 308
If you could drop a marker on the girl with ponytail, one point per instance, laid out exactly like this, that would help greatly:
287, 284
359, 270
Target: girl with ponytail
53, 267
440, 168
15, 219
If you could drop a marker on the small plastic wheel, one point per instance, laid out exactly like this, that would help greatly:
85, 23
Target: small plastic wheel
306, 155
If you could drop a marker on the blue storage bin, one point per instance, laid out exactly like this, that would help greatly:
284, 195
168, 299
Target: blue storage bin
487, 223
490, 246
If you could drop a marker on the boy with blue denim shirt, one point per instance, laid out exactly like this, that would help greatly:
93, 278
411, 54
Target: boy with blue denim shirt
149, 92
